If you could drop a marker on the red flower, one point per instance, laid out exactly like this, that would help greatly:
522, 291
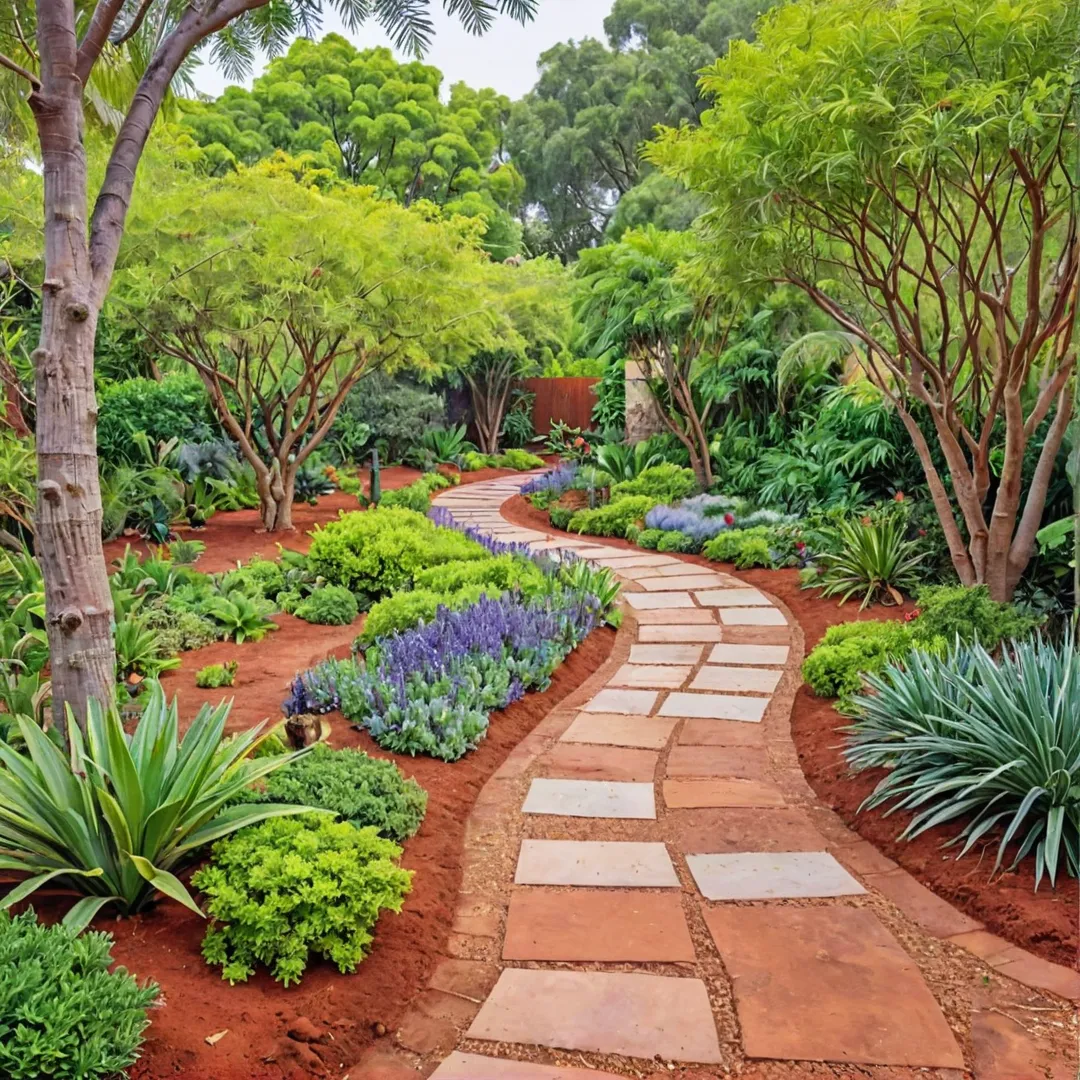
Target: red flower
800, 546
579, 441
899, 496
729, 519
913, 614
922, 532
586, 448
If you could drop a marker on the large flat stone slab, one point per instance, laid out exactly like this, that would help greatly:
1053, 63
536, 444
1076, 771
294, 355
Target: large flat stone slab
751, 655
618, 700
641, 1016
744, 829
829, 984
590, 798
459, 1066
715, 707
737, 762
582, 761
688, 794
617, 729
655, 676
683, 655
737, 680
677, 617
682, 581
587, 925
605, 863
733, 598
721, 733
675, 634
752, 616
777, 875
659, 601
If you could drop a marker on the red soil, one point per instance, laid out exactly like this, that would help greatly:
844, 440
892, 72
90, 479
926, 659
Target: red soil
1046, 922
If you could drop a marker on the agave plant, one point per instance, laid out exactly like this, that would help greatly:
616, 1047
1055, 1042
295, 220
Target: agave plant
995, 742
117, 815
874, 558
243, 618
446, 445
625, 462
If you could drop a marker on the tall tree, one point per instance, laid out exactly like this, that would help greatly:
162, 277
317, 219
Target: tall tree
907, 165
281, 323
72, 39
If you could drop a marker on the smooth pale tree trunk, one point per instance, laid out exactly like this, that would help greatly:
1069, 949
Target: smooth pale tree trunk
78, 602
276, 497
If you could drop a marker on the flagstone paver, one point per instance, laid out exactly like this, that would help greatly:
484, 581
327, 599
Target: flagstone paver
828, 984
751, 655
690, 793
656, 676
745, 680
607, 863
631, 702
738, 762
783, 875
715, 706
590, 798
666, 654
670, 635
583, 761
597, 925
616, 729
659, 600
811, 971
603, 1011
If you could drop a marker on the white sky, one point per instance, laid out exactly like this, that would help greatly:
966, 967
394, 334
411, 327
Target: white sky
504, 58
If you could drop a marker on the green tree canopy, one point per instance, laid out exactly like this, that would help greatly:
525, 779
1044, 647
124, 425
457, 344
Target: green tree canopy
908, 164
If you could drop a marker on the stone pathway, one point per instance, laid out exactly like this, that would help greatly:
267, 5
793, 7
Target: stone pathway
678, 895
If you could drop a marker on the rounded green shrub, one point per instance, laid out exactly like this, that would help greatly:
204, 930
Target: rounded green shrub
755, 551
560, 516
728, 545
360, 789
648, 538
849, 650
404, 610
678, 542
329, 605
289, 887
260, 578
666, 483
501, 573
378, 551
521, 460
948, 612
63, 1013
613, 519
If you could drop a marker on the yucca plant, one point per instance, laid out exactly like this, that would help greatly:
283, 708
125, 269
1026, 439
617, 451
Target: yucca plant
624, 462
117, 815
873, 558
446, 445
138, 649
994, 741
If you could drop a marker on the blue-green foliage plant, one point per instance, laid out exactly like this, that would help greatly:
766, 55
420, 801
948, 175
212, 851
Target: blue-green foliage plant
994, 742
65, 1012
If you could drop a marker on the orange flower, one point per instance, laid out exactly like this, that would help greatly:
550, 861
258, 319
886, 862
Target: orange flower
579, 441
867, 521
899, 496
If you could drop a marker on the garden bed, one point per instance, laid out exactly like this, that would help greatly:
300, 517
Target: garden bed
1044, 922
341, 1013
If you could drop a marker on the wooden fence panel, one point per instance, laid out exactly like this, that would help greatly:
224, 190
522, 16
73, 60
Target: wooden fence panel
570, 400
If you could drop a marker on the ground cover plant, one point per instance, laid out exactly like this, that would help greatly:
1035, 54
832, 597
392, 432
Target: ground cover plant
288, 888
65, 1011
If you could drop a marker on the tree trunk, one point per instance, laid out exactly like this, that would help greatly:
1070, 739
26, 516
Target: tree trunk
78, 602
275, 498
9, 385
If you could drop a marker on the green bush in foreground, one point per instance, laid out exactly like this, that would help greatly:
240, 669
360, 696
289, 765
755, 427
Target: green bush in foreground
214, 676
294, 886
363, 790
63, 1013
329, 605
992, 741
847, 651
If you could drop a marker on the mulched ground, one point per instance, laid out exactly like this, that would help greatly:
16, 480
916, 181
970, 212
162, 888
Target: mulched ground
1046, 922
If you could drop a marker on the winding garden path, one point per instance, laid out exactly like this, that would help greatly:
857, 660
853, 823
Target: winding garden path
651, 885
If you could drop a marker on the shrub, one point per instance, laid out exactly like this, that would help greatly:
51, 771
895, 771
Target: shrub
647, 538
363, 790
110, 787
613, 519
872, 558
388, 411
416, 496
174, 408
259, 578
214, 676
666, 483
242, 617
474, 461
726, 546
330, 605
521, 460
407, 609
63, 1013
678, 542
948, 612
291, 887
994, 742
179, 631
186, 552
378, 551
836, 665
560, 516
754, 551
500, 573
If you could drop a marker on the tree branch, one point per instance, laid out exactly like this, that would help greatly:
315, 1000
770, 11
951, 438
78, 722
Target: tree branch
97, 33
18, 69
